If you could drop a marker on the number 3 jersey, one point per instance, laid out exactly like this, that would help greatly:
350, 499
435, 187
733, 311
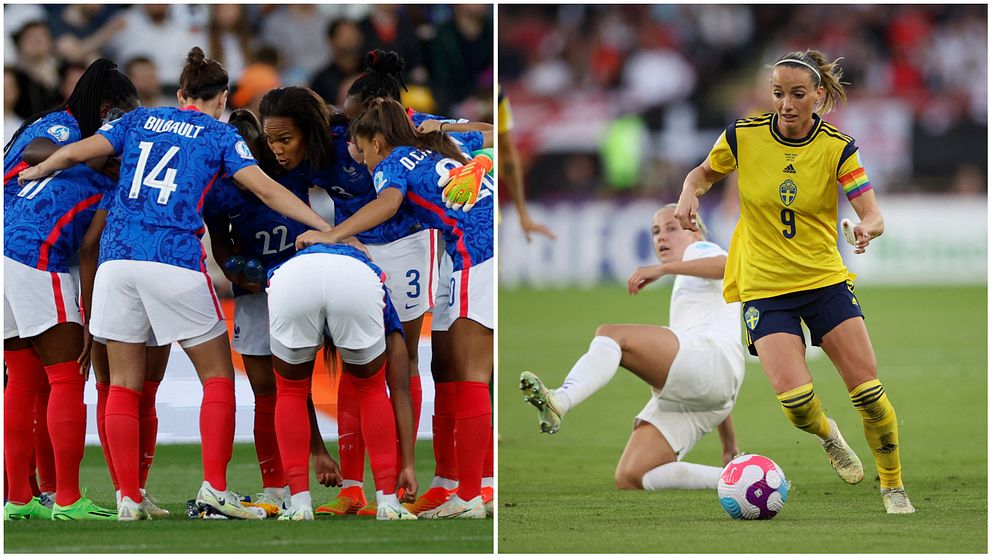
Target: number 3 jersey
416, 174
786, 238
171, 158
45, 220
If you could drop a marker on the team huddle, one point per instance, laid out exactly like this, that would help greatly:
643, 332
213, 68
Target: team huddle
131, 190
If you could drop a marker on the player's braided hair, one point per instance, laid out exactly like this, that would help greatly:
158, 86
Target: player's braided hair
202, 78
387, 117
100, 83
828, 74
383, 77
310, 115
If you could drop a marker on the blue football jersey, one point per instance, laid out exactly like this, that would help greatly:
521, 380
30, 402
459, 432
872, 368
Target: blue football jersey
350, 186
258, 231
60, 128
171, 158
468, 235
418, 118
45, 220
389, 316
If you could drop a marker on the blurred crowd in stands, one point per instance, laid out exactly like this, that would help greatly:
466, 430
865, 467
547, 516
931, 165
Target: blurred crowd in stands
624, 100
448, 50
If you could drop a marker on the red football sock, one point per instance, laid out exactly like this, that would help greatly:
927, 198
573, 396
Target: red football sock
148, 430
67, 425
417, 397
351, 445
102, 391
122, 437
217, 430
378, 429
292, 422
487, 464
25, 375
44, 456
444, 431
266, 445
473, 425
33, 481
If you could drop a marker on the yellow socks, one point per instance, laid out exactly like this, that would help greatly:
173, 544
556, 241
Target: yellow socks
804, 410
881, 430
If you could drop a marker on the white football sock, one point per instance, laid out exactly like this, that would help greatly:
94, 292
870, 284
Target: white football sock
488, 482
275, 493
444, 483
681, 475
350, 483
591, 372
301, 499
383, 499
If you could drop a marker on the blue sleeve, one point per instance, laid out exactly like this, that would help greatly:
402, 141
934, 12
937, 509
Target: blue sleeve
390, 319
116, 131
389, 174
468, 141
216, 201
235, 152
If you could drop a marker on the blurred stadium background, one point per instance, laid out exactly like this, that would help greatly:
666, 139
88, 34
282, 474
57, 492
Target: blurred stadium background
612, 106
448, 51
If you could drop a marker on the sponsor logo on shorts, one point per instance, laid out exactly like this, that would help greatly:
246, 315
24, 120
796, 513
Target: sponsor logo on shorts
751, 317
59, 132
414, 305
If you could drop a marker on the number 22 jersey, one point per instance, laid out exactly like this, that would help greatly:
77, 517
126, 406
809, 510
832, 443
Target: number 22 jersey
171, 159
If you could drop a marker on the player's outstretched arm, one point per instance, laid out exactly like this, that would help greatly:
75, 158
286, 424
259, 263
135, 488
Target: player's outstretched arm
398, 381
370, 215
707, 268
442, 126
872, 225
512, 174
697, 182
279, 198
67, 156
729, 440
325, 468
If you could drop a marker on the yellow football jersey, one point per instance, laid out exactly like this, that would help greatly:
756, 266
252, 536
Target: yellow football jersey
505, 118
786, 238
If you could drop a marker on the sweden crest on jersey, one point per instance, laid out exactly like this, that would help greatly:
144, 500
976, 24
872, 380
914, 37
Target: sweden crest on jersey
788, 191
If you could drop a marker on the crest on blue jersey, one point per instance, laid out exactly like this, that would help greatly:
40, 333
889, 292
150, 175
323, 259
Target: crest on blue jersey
242, 148
788, 191
379, 181
751, 318
59, 132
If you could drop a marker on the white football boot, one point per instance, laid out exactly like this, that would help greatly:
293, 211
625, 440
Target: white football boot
548, 411
896, 501
297, 513
456, 508
842, 458
128, 510
225, 502
393, 512
151, 506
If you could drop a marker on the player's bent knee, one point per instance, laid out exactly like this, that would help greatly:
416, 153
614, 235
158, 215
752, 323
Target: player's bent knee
609, 330
627, 478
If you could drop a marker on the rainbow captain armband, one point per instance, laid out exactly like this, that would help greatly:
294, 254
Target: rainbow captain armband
462, 184
855, 183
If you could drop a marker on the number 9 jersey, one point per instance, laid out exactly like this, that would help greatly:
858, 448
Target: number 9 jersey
171, 159
786, 238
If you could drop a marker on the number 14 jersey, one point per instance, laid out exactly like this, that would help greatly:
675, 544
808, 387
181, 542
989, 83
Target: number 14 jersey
171, 158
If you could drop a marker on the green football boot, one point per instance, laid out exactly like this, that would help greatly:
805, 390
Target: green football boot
34, 509
82, 509
541, 397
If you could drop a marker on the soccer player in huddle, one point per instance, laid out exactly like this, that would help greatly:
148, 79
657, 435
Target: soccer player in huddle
695, 366
158, 285
45, 219
783, 263
406, 166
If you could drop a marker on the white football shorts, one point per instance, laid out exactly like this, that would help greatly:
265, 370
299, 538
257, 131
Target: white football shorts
314, 291
464, 294
135, 301
251, 325
700, 391
409, 265
35, 301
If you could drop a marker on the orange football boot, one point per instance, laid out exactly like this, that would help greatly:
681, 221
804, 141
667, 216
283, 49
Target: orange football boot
349, 501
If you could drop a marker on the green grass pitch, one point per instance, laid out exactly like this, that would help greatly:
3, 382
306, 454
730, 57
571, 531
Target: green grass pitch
175, 478
556, 492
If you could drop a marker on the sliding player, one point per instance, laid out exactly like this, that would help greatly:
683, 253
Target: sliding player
694, 366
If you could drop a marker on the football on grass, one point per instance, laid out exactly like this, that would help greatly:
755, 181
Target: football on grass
752, 487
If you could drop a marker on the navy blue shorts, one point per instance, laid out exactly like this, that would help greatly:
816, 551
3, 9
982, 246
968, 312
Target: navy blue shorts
821, 309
